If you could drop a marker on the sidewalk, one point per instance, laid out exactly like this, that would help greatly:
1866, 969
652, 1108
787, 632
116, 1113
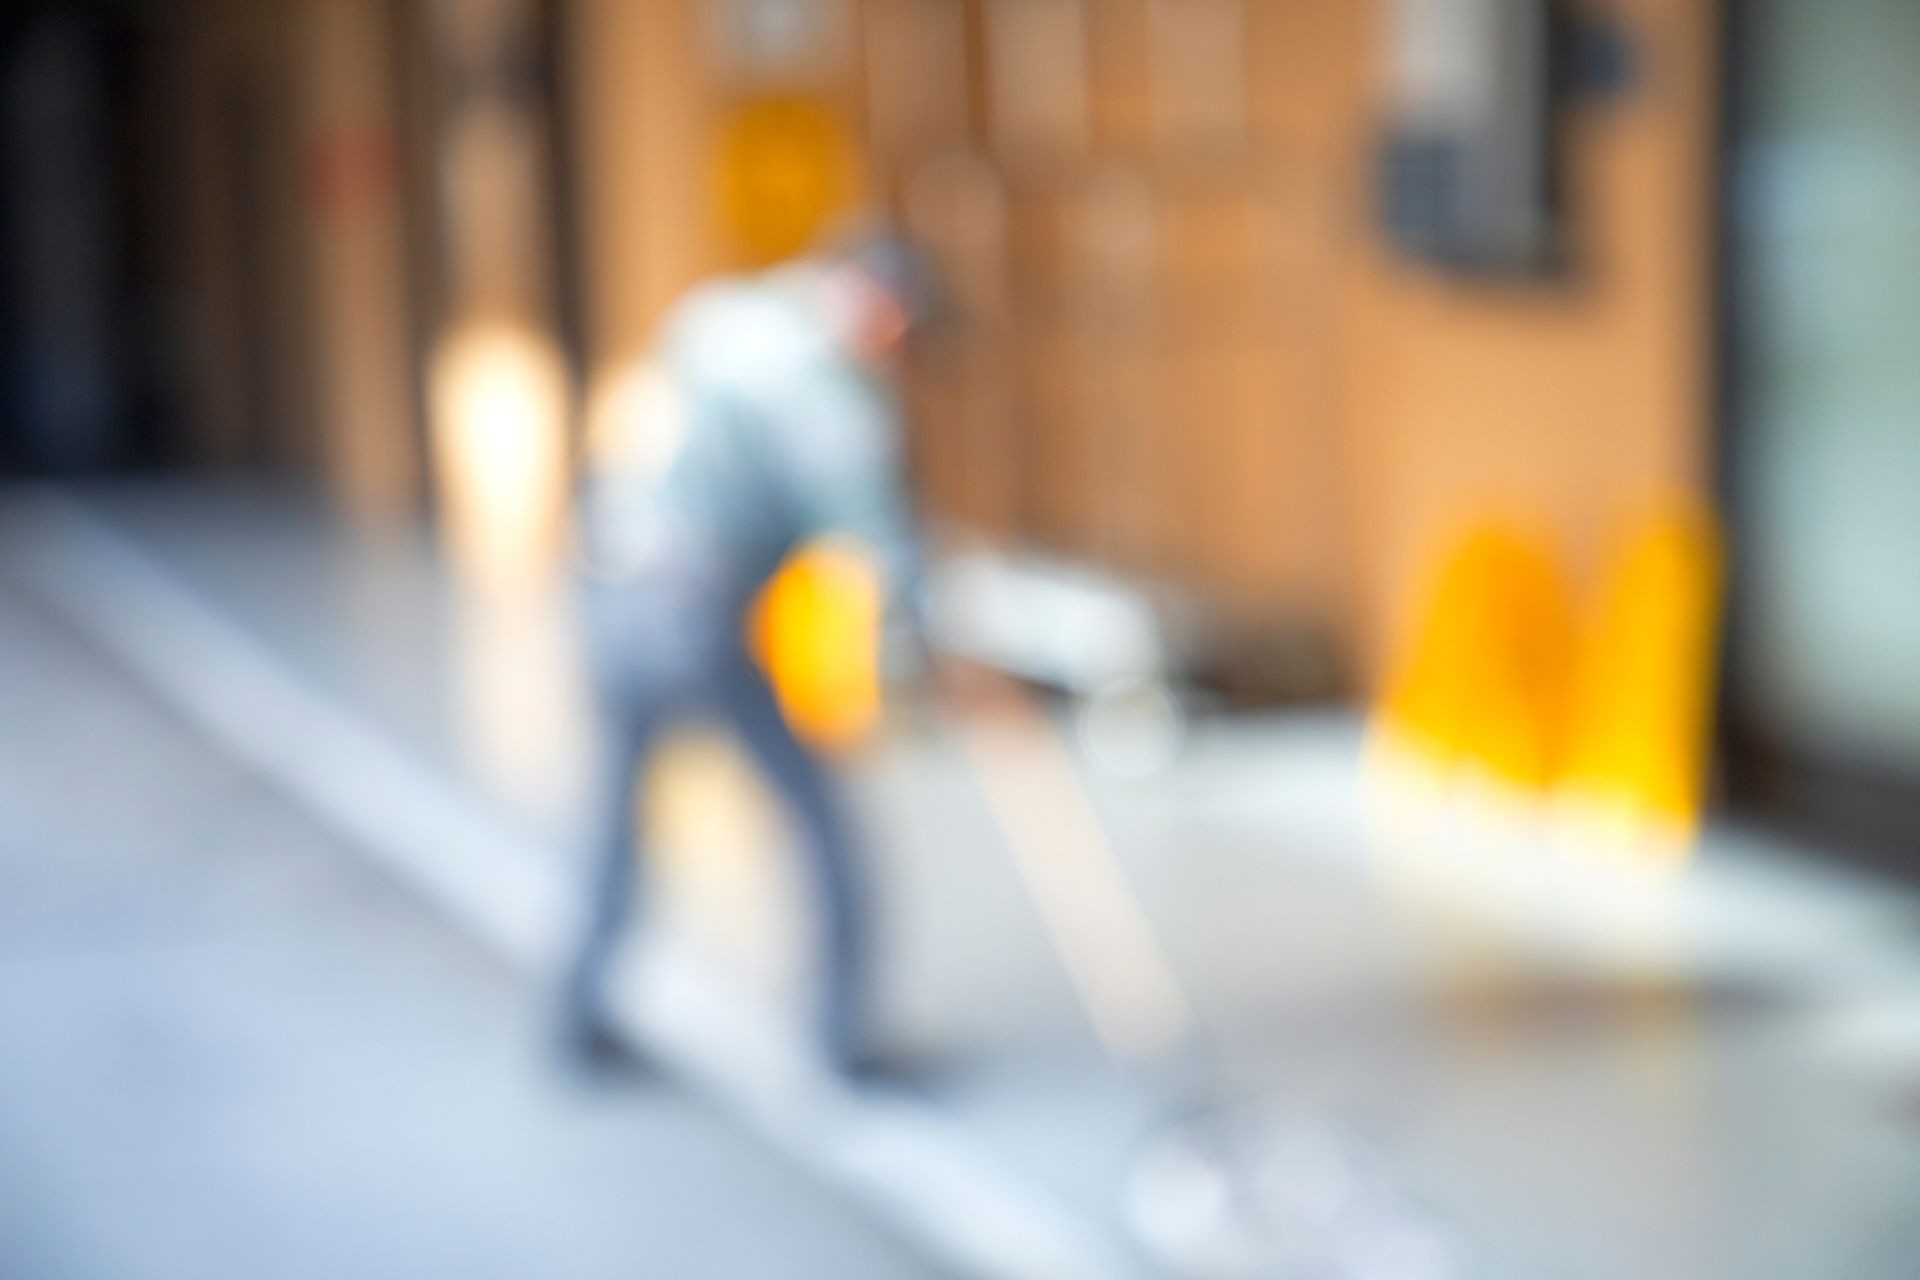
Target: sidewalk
229, 1049
1739, 1105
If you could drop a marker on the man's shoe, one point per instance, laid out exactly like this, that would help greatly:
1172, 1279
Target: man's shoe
594, 1052
885, 1068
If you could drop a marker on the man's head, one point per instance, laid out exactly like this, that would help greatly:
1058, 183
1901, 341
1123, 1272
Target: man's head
884, 292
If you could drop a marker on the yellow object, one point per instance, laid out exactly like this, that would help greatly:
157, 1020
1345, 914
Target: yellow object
1483, 681
816, 630
1644, 685
787, 166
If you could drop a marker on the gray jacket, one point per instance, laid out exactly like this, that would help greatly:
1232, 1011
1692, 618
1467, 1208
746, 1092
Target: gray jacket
765, 432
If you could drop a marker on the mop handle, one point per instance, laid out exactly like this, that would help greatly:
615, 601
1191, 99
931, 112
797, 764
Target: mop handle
1116, 962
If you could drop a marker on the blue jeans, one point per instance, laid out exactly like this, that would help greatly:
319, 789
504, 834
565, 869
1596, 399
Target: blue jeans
664, 652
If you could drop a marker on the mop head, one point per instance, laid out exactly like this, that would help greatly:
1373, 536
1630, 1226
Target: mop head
1257, 1192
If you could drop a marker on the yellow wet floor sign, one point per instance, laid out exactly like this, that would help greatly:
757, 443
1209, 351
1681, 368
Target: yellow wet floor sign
1483, 682
1604, 708
1644, 682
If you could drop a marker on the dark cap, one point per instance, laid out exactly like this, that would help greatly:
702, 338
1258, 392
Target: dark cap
900, 268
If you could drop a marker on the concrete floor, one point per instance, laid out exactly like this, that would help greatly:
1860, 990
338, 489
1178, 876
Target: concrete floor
230, 1049
1725, 1087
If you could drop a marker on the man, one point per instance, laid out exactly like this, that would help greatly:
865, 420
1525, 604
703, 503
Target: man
765, 420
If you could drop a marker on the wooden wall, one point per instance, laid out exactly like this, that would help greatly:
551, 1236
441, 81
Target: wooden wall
247, 306
1567, 404
1196, 358
653, 87
1141, 226
1184, 349
641, 102
294, 257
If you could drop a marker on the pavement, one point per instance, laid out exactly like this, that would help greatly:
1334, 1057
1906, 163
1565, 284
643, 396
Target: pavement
232, 1048
1577, 1075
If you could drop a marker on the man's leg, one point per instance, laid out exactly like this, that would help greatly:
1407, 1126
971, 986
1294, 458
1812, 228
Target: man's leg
808, 793
612, 861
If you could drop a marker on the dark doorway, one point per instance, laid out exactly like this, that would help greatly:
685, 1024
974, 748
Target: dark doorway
89, 377
1822, 460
